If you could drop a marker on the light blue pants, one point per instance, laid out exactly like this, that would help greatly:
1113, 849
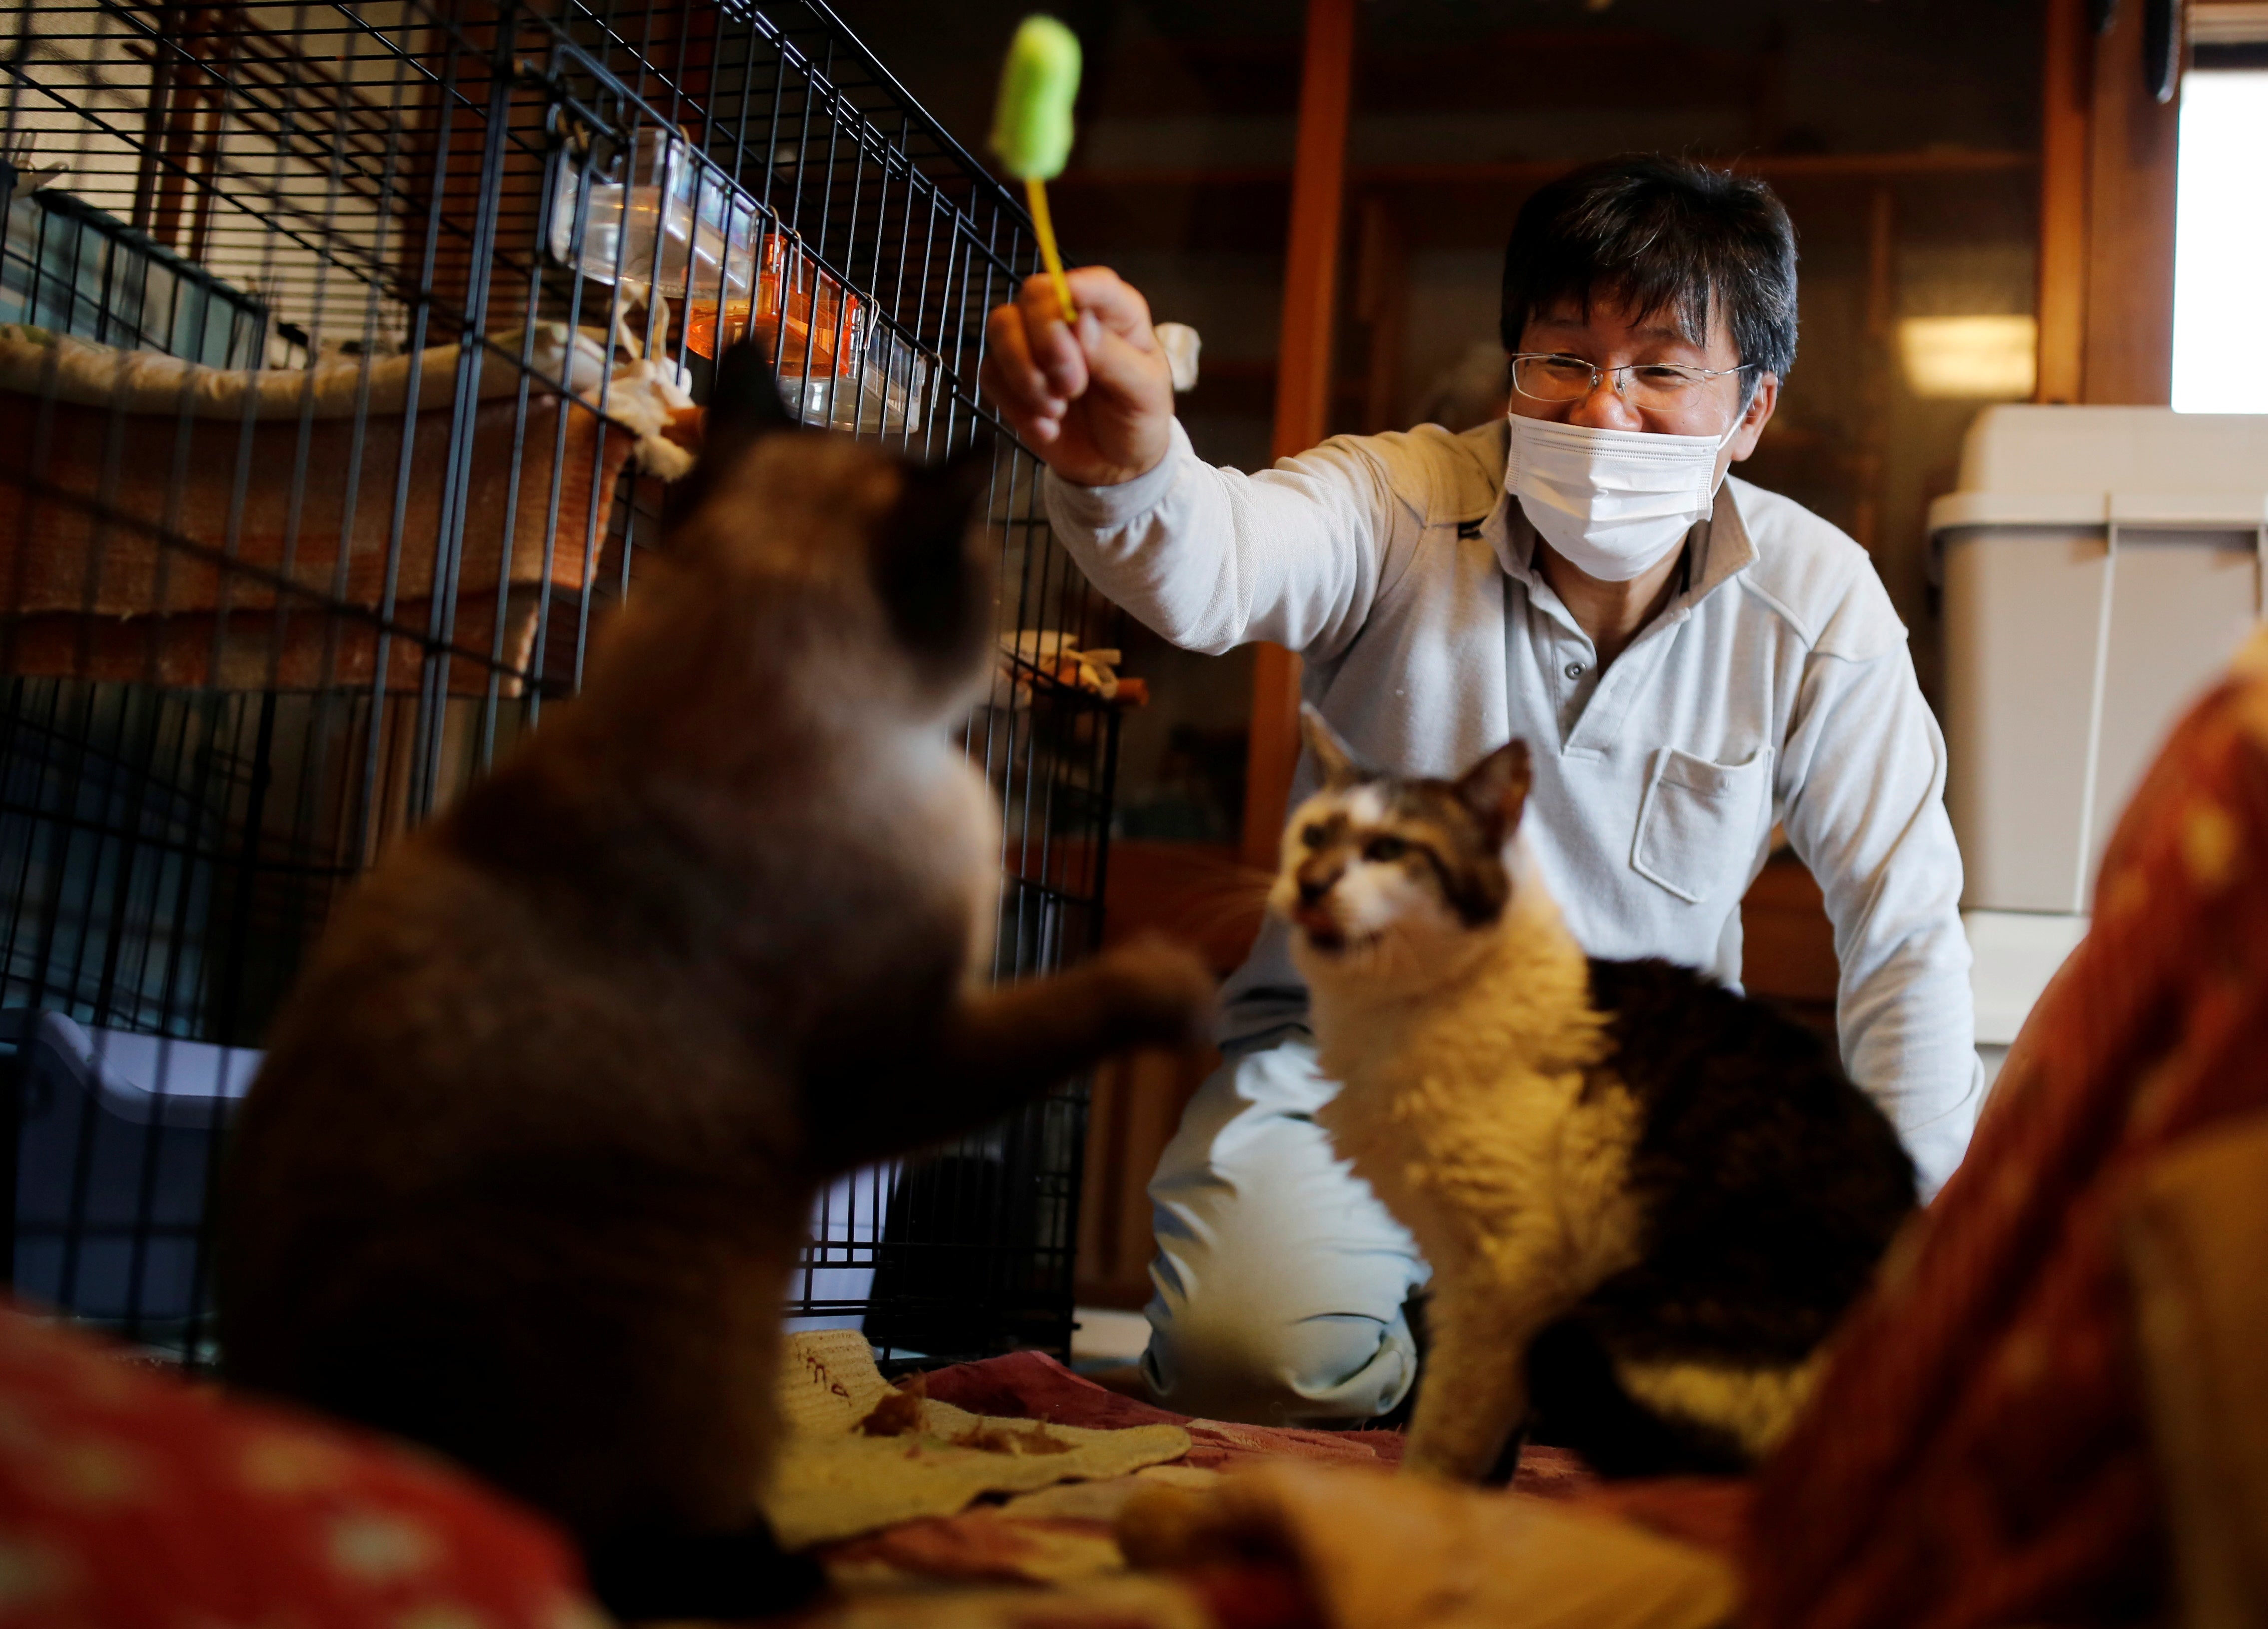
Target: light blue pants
1279, 1276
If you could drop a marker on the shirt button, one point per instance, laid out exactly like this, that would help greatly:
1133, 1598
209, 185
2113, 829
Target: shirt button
1575, 669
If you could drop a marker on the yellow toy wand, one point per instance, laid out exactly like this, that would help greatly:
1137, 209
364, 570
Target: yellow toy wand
1031, 126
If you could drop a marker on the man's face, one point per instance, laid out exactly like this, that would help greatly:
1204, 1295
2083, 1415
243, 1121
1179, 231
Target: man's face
1612, 337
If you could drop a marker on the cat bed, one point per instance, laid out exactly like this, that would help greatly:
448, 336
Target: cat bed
112, 451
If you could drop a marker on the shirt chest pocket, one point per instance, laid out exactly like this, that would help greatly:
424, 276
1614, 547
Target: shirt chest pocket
1700, 823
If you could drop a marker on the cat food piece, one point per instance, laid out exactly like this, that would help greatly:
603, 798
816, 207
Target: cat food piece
997, 1436
903, 1412
897, 1414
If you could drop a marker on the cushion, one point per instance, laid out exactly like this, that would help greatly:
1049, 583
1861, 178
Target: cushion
131, 1497
1978, 1451
2197, 1250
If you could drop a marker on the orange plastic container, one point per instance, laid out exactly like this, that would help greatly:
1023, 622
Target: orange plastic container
805, 319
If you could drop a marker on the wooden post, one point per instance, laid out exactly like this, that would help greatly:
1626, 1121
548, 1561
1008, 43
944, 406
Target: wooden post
1382, 302
1879, 359
2066, 88
1303, 383
2129, 318
2106, 290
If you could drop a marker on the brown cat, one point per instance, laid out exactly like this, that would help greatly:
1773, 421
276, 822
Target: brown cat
532, 1154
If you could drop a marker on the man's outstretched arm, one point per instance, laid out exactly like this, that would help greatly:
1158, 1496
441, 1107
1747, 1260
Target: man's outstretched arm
1209, 558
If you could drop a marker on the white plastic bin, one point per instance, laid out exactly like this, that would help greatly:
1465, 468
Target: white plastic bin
2101, 565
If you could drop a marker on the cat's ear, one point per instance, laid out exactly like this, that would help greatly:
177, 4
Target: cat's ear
1496, 788
1335, 757
928, 569
743, 398
744, 406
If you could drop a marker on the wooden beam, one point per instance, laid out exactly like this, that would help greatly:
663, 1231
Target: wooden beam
1303, 383
1243, 207
2066, 81
1780, 169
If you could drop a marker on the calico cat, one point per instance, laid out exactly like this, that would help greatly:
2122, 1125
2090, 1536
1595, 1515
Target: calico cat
529, 1162
1646, 1200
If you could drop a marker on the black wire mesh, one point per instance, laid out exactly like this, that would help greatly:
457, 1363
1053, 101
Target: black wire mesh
343, 352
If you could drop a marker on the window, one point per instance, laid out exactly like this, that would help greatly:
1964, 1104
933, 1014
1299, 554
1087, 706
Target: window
2220, 243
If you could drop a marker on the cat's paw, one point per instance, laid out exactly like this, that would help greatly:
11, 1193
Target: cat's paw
1462, 1455
1438, 1465
1168, 993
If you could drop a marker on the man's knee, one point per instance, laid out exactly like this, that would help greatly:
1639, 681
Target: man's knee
1227, 1360
1280, 1277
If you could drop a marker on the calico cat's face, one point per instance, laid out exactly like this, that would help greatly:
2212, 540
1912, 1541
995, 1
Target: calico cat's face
1382, 876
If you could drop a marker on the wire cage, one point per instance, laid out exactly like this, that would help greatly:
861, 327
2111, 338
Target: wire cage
344, 352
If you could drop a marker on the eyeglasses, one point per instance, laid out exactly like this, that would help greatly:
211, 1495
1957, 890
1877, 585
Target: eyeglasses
1660, 387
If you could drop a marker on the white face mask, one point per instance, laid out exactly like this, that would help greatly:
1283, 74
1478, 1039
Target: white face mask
1614, 502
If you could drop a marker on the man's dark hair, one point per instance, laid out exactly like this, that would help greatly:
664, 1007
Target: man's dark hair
1661, 235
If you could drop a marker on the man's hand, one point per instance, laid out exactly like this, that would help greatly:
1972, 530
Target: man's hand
1095, 399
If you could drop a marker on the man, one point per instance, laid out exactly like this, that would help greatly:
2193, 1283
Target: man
1692, 659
